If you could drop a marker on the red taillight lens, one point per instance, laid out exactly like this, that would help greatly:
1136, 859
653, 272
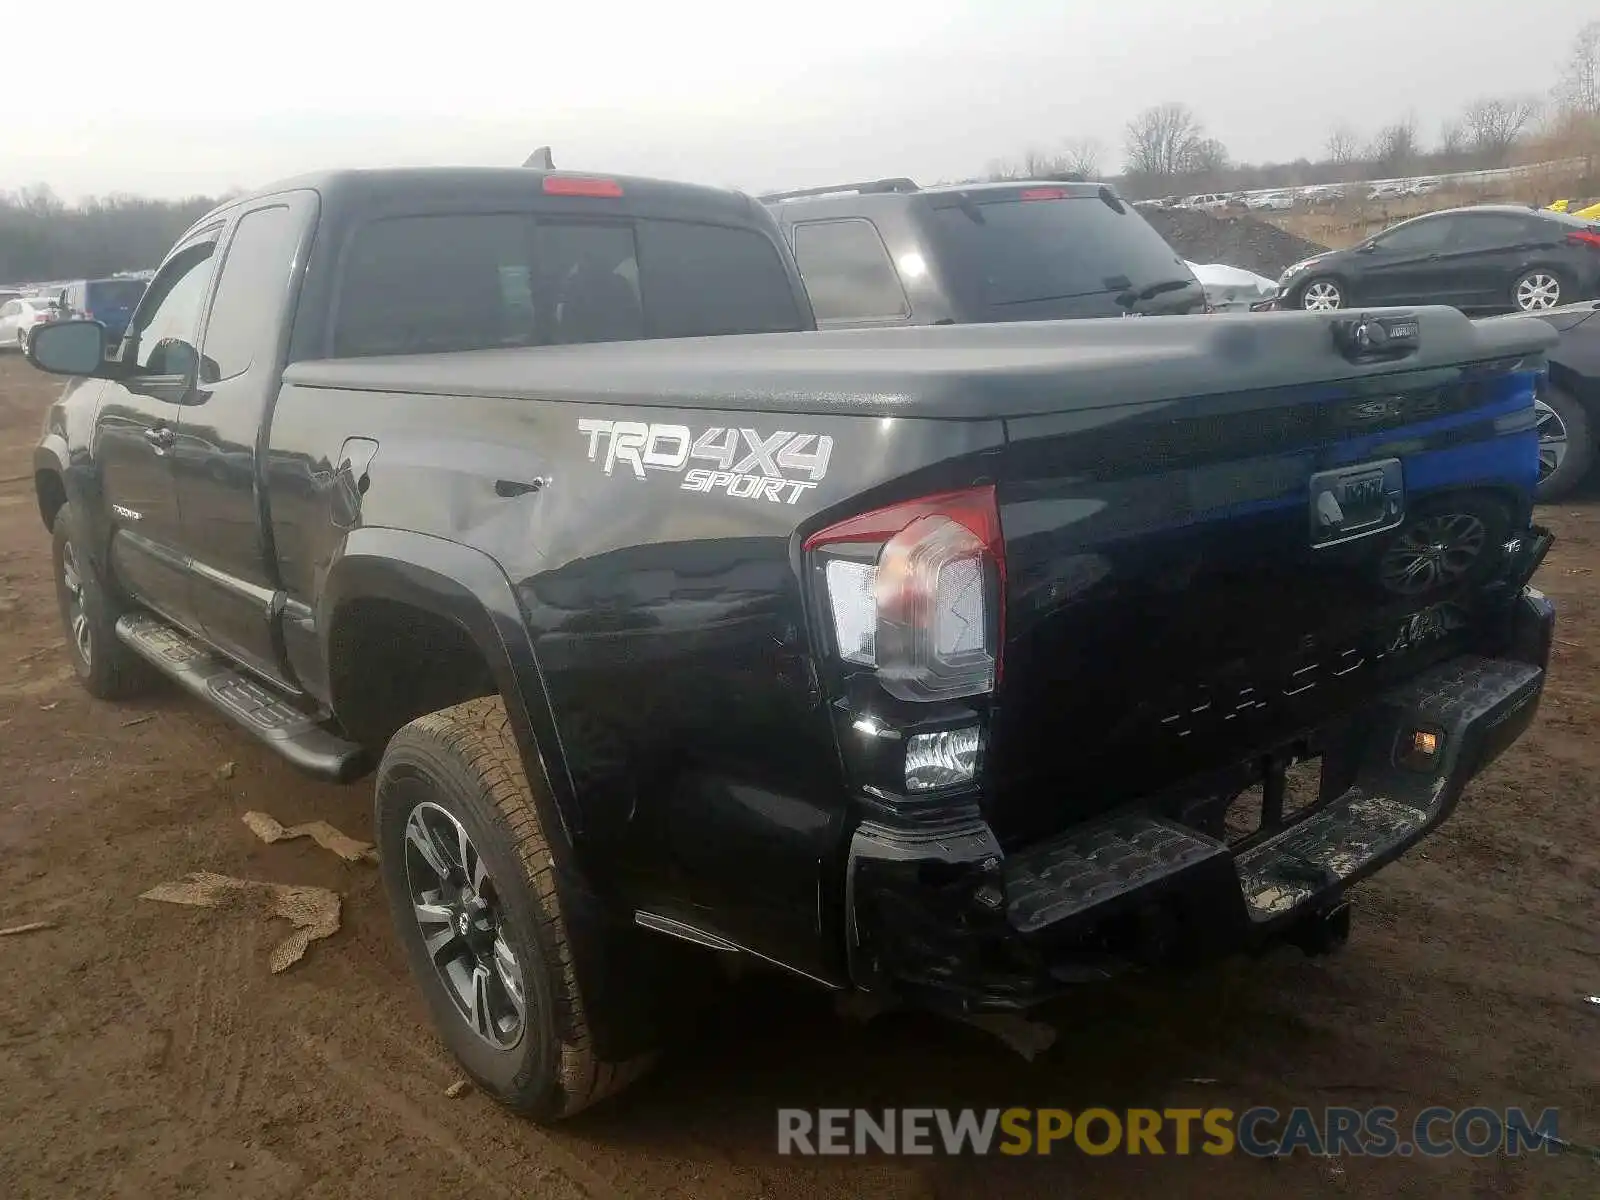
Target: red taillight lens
1044, 193
916, 592
1586, 237
572, 185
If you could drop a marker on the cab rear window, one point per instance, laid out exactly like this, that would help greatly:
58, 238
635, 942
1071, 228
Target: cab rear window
422, 284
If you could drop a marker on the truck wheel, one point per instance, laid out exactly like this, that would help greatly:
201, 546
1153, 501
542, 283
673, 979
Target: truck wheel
107, 668
1566, 443
473, 892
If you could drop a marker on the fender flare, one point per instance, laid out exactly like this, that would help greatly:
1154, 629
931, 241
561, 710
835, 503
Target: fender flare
50, 458
468, 588
621, 970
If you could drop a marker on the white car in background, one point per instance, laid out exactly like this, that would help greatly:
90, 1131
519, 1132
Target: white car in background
1231, 289
1271, 202
18, 316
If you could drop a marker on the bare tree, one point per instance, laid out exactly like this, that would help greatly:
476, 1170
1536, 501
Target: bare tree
1579, 89
40, 200
1452, 138
1081, 157
1494, 124
1160, 142
1395, 148
1341, 145
1038, 164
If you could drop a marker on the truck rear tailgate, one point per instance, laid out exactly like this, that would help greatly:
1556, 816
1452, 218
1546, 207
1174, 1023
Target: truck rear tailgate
1193, 581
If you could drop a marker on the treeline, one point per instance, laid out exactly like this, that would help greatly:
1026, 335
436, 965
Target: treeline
1167, 150
42, 238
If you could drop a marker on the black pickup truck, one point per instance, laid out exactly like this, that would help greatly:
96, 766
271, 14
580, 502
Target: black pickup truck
939, 663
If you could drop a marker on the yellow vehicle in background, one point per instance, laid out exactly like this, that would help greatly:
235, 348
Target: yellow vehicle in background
1591, 213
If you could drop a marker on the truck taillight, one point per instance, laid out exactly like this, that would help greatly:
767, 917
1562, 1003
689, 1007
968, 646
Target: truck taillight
916, 592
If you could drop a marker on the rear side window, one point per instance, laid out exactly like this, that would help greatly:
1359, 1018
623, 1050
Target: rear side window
711, 279
1017, 251
415, 285
847, 271
1489, 230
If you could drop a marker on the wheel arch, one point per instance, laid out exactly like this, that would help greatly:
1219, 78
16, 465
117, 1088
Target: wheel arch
445, 586
447, 600
1585, 389
49, 482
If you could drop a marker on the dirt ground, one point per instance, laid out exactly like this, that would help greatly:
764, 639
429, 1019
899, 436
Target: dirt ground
146, 1050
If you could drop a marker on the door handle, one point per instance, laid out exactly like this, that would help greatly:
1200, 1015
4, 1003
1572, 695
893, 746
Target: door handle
162, 437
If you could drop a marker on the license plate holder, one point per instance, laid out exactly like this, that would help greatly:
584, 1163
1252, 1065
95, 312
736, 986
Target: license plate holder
1356, 501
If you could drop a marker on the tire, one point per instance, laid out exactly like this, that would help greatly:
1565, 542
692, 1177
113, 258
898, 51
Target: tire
459, 772
89, 612
1562, 463
1322, 294
1539, 290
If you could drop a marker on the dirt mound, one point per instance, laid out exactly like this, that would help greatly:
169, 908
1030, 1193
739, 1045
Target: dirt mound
1237, 239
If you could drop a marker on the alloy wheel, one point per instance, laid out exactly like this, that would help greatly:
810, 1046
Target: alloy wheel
1435, 551
1321, 296
461, 919
1552, 439
77, 619
1537, 292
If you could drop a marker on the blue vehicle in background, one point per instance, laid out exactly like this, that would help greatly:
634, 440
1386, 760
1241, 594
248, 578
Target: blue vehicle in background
109, 301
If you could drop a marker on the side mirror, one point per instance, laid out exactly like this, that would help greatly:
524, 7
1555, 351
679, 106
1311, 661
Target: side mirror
69, 348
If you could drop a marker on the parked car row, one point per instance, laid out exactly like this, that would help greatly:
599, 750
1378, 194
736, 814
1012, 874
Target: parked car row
1285, 199
19, 316
110, 301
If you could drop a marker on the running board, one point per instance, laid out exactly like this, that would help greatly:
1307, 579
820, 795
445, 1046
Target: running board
300, 737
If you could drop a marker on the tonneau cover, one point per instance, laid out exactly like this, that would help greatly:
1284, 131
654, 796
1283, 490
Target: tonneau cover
952, 372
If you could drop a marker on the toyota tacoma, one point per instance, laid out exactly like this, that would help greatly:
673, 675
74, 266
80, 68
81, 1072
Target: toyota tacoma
956, 665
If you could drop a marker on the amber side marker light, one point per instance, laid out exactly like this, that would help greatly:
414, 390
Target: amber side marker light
1424, 744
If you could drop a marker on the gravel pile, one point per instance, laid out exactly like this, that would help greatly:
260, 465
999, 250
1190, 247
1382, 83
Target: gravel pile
1236, 239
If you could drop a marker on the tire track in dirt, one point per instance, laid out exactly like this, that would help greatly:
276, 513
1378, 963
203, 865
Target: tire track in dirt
382, 1093
217, 1050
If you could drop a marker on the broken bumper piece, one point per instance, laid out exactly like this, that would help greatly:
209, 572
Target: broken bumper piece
946, 918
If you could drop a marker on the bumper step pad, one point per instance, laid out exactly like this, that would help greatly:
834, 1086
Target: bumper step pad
1474, 706
1323, 850
1101, 864
299, 736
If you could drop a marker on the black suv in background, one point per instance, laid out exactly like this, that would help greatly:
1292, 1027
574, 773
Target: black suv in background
888, 252
1490, 258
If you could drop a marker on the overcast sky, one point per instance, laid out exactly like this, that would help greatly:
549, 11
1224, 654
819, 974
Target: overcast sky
174, 97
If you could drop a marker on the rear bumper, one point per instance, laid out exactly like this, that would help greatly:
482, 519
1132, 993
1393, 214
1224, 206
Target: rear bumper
947, 918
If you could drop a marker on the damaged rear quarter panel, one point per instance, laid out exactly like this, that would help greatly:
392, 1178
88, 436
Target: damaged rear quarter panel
654, 553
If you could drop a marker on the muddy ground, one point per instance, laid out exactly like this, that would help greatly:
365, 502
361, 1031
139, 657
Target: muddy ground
145, 1050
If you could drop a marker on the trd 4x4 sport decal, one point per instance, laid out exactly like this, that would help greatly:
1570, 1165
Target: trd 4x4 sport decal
749, 465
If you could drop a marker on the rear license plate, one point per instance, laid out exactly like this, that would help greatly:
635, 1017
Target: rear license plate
1356, 501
